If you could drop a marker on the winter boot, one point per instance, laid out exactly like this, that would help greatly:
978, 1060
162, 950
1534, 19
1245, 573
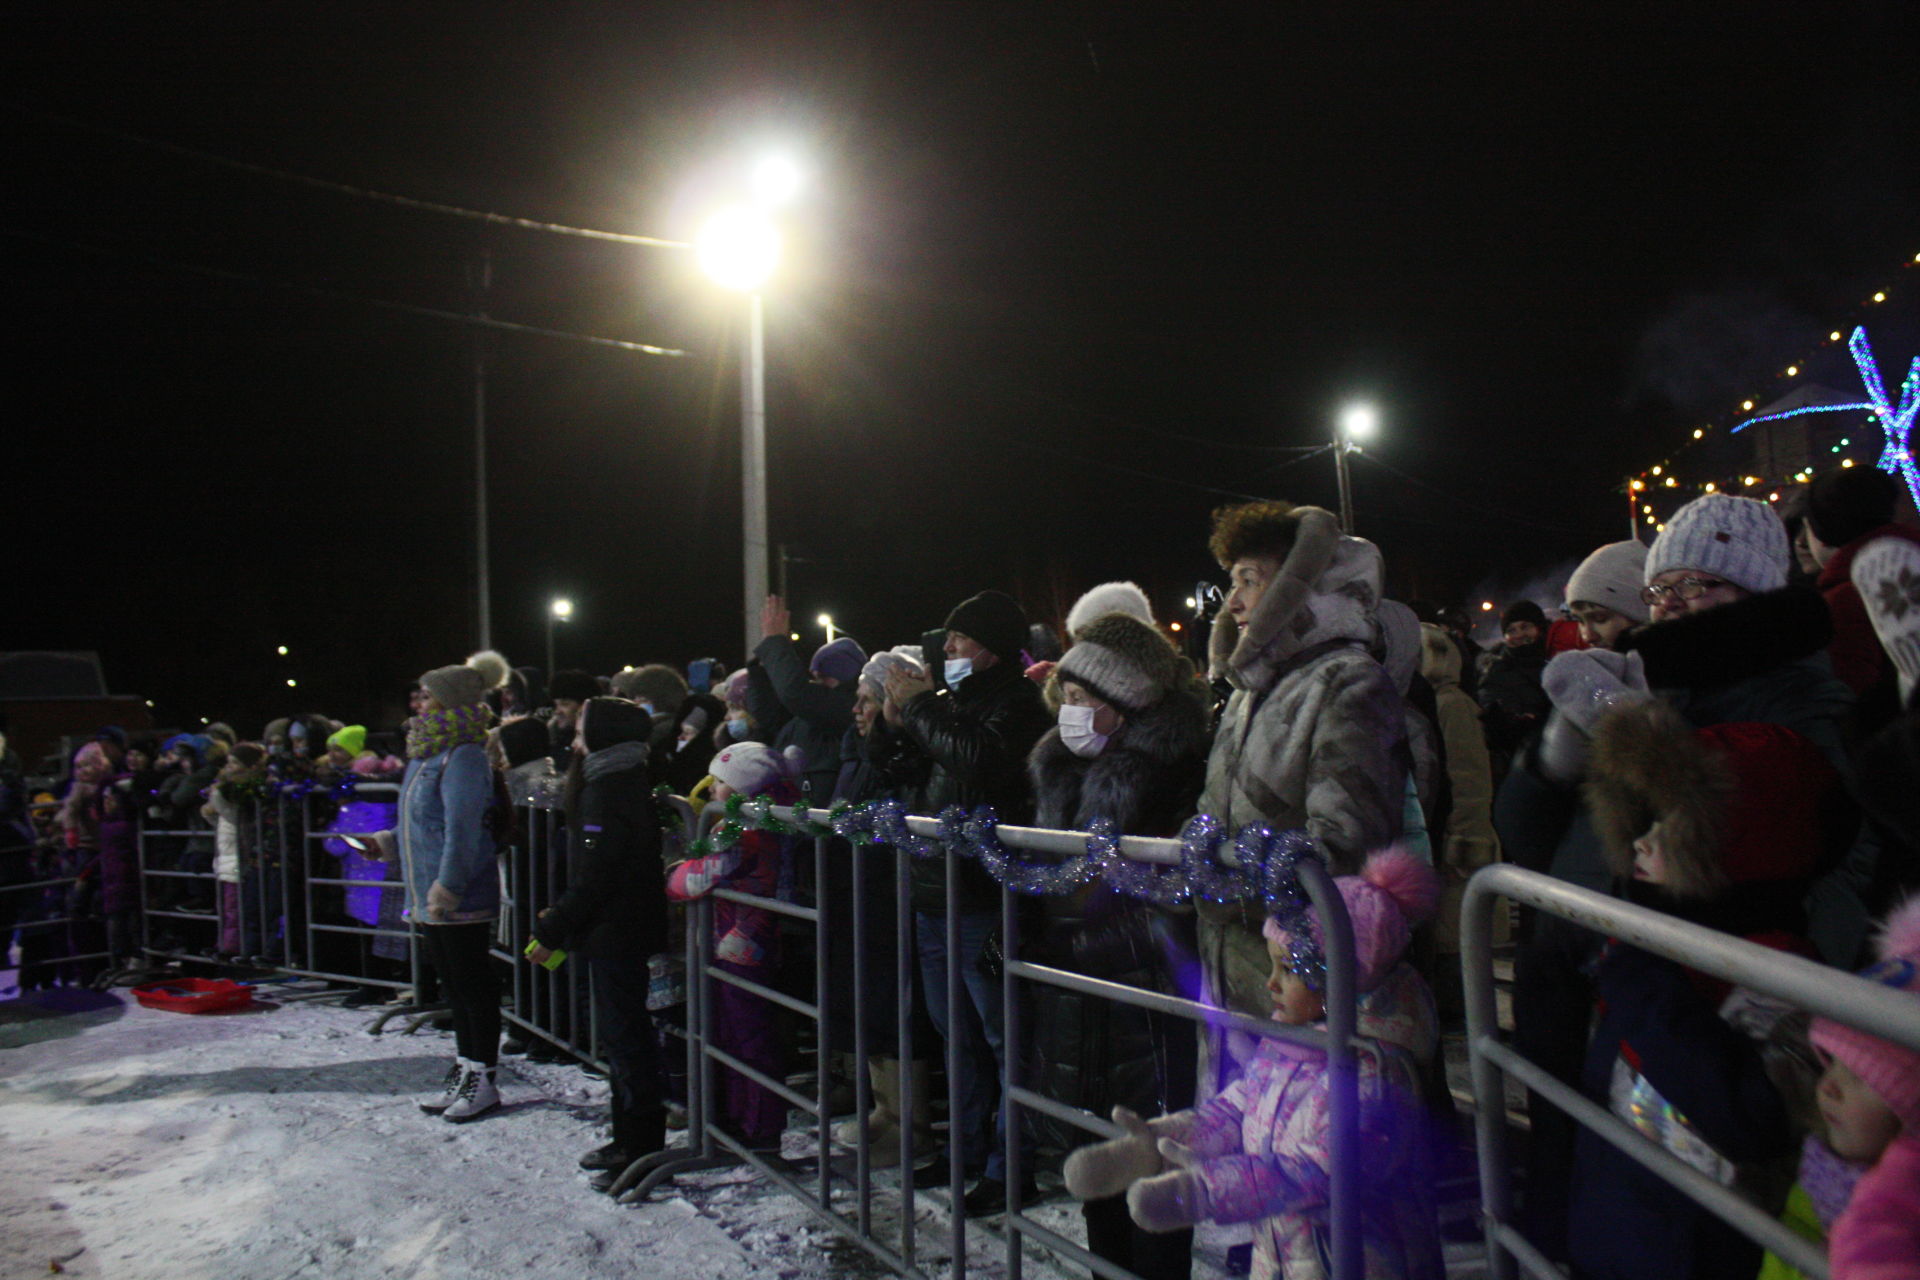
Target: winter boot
476, 1096
437, 1102
883, 1122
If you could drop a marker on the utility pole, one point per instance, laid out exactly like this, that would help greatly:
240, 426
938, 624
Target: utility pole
480, 280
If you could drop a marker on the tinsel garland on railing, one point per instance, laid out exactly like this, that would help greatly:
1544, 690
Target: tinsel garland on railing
1266, 869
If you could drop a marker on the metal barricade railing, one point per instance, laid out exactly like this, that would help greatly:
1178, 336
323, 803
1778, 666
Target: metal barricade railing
710, 1146
1847, 999
550, 1004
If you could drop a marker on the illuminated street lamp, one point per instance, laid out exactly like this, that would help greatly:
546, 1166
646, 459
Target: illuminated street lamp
738, 249
560, 610
1357, 423
825, 621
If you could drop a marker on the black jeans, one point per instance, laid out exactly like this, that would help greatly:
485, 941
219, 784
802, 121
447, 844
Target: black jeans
628, 1041
472, 986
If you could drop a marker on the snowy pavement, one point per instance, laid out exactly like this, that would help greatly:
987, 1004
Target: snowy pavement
284, 1141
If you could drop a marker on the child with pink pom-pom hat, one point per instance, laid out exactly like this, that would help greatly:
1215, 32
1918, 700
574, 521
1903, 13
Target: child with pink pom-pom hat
1260, 1151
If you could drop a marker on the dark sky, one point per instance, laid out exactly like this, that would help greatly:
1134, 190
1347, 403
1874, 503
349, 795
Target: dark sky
1063, 271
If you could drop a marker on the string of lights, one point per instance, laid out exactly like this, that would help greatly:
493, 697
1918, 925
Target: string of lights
339, 295
365, 193
1660, 479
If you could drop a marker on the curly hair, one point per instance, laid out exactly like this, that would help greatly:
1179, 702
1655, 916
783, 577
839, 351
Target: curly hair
1252, 529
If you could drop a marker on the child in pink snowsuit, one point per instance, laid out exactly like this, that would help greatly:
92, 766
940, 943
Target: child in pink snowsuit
1260, 1150
1870, 1101
744, 937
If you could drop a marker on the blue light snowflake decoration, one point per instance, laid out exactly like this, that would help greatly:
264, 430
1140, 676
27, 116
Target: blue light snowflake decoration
1896, 420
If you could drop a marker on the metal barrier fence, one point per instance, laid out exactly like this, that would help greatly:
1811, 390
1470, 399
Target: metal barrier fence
40, 882
1842, 997
709, 1145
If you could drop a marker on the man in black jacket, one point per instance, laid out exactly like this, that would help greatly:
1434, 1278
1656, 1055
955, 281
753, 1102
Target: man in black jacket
614, 913
976, 738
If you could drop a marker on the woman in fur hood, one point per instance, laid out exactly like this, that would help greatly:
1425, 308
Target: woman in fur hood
1315, 733
1130, 746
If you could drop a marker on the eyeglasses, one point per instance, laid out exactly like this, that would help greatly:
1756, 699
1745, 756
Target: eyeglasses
1685, 589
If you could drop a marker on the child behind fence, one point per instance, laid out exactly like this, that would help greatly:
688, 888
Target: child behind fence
230, 808
1261, 1149
744, 937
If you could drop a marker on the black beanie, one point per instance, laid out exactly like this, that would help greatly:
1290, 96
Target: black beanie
573, 685
1851, 502
1523, 611
993, 618
615, 720
524, 740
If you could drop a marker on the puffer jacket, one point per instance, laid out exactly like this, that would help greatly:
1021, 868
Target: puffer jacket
1093, 1053
976, 740
443, 833
1313, 737
228, 815
1265, 1146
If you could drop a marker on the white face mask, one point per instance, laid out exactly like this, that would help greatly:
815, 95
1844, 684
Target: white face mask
1077, 733
958, 669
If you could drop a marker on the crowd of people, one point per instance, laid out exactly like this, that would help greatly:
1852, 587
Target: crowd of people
1716, 726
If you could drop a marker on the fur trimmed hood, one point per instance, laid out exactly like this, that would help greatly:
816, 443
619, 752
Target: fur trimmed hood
1145, 780
1439, 657
1735, 641
1327, 590
1737, 803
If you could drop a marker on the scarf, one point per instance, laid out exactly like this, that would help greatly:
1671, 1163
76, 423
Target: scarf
614, 759
435, 731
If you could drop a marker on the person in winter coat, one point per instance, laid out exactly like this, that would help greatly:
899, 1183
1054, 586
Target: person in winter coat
1603, 595
1511, 700
1314, 735
1427, 793
660, 689
874, 766
614, 916
745, 938
698, 714
569, 690
1260, 1151
1721, 826
1467, 841
453, 888
1130, 747
1869, 1100
1729, 643
806, 705
1848, 510
230, 807
975, 738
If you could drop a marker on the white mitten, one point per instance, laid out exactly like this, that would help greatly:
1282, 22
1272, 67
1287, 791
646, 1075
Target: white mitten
1103, 1169
1585, 684
1171, 1200
1886, 573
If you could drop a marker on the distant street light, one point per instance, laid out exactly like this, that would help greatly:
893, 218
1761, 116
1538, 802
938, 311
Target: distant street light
826, 624
1357, 422
560, 610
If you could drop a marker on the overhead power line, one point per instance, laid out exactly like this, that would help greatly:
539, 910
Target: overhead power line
365, 193
338, 295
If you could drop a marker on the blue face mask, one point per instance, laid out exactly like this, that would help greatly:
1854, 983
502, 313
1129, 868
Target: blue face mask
736, 726
958, 669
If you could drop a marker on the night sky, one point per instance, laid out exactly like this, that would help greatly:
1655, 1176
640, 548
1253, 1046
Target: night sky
1065, 276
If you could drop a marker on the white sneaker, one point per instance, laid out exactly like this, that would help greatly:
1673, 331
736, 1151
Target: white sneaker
436, 1103
475, 1097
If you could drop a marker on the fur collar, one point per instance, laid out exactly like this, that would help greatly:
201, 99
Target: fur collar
1648, 766
1327, 590
1144, 764
1734, 642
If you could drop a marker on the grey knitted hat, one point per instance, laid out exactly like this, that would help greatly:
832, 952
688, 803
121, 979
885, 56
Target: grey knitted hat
1122, 660
1738, 539
452, 687
1612, 577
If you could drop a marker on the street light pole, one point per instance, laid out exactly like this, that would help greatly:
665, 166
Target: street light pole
753, 468
1357, 422
481, 278
560, 610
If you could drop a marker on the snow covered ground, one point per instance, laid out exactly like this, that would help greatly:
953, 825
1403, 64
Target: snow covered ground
284, 1141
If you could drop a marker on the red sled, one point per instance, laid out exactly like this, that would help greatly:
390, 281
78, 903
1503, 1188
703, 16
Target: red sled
195, 995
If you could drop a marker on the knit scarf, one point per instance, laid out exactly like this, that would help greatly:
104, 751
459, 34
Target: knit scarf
435, 731
620, 756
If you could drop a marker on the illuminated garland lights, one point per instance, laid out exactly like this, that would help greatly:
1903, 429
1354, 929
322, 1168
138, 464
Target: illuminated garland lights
1267, 869
1651, 482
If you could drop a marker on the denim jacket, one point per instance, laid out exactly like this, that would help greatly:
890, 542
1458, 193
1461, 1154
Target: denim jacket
443, 833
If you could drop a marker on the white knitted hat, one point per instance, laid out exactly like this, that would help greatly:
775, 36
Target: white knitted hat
1109, 597
1612, 577
1738, 539
873, 676
751, 767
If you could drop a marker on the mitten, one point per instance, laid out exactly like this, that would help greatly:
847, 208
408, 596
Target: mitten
1886, 573
1171, 1200
1585, 684
1104, 1169
737, 948
694, 879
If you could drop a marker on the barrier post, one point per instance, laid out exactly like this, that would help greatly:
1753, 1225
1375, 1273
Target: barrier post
1011, 1043
823, 1034
862, 1070
956, 1137
904, 950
